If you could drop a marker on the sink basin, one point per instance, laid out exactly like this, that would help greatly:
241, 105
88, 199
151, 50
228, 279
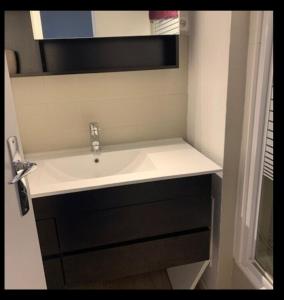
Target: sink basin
76, 170
108, 164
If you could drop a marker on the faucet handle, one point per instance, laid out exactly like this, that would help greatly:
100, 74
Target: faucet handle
94, 128
93, 125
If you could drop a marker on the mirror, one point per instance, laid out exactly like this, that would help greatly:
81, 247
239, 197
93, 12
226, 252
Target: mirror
34, 49
93, 24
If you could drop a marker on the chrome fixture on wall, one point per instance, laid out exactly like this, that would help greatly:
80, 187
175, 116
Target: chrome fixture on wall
94, 137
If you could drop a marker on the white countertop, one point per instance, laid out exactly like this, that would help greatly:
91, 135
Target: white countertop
63, 172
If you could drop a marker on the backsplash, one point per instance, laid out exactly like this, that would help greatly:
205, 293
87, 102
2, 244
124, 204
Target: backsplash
54, 111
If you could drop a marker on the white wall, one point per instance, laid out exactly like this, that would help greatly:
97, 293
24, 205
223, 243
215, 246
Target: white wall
207, 81
54, 111
233, 140
209, 44
216, 90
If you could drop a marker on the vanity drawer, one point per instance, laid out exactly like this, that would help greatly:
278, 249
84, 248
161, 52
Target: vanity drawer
120, 196
47, 237
53, 274
136, 258
91, 229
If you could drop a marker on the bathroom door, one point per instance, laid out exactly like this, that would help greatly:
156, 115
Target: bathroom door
23, 262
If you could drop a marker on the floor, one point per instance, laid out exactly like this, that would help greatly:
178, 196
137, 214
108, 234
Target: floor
153, 281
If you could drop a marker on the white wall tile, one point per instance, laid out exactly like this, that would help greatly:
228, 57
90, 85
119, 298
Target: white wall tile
54, 111
209, 44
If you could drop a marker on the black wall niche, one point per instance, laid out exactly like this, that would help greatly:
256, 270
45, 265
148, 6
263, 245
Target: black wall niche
86, 55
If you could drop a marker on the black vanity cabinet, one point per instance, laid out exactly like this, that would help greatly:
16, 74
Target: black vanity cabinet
120, 231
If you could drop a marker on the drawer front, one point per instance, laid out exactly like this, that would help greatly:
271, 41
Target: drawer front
97, 228
136, 258
120, 196
53, 274
47, 237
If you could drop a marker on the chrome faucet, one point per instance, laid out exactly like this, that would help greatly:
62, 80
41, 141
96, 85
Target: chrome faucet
94, 137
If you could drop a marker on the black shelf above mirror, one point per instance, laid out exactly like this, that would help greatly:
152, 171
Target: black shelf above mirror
86, 55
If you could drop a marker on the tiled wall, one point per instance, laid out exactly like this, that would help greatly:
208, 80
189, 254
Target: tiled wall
207, 81
217, 79
54, 111
209, 47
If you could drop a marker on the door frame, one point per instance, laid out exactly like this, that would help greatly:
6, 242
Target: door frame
259, 75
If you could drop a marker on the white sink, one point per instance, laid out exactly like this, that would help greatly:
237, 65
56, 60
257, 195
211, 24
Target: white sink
108, 164
75, 170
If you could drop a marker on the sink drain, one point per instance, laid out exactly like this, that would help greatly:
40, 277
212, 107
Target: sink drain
96, 160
